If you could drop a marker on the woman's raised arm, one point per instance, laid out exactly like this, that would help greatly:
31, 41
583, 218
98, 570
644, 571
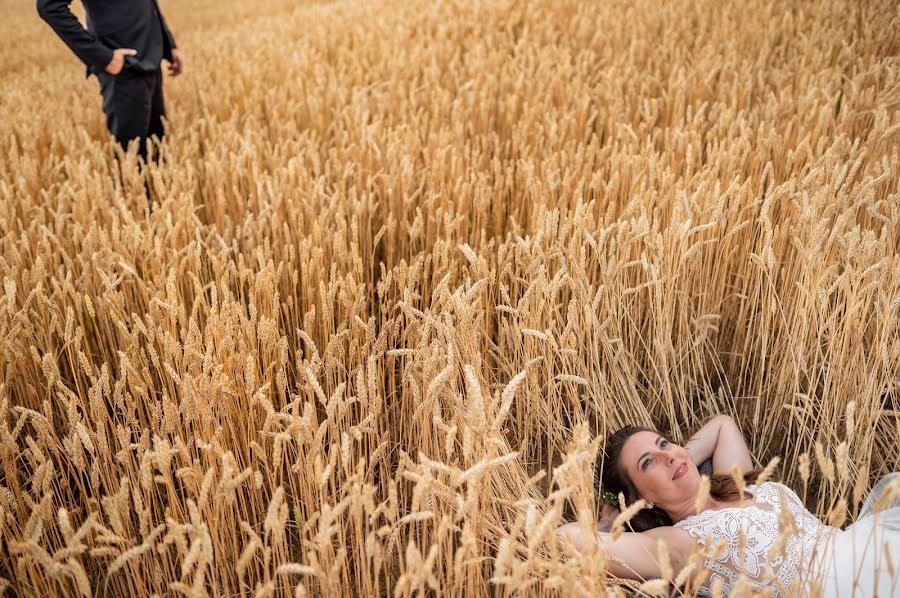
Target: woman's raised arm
636, 555
722, 440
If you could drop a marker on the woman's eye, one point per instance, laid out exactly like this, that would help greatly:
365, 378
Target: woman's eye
664, 444
645, 464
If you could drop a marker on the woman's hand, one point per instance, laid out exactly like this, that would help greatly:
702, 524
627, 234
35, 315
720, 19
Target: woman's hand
721, 440
607, 516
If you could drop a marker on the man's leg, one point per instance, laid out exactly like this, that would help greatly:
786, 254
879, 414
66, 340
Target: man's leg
127, 104
157, 106
155, 128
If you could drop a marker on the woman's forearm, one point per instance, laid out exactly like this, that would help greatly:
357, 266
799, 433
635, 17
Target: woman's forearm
703, 443
632, 555
721, 440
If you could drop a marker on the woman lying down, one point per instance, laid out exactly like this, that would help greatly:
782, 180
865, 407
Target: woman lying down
862, 560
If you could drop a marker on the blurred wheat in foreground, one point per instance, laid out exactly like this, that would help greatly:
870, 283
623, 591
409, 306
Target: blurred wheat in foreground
403, 265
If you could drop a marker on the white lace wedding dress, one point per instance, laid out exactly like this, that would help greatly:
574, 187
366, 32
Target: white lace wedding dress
862, 560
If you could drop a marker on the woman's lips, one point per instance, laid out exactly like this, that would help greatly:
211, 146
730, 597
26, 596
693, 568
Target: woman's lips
680, 471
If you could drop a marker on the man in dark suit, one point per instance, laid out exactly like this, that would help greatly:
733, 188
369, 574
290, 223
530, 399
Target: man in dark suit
123, 46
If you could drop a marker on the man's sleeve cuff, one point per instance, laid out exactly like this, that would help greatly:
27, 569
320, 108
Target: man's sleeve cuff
101, 60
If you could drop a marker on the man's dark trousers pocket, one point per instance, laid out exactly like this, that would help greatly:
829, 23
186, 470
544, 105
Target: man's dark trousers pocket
133, 105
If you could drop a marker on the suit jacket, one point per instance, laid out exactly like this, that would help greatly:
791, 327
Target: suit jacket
112, 24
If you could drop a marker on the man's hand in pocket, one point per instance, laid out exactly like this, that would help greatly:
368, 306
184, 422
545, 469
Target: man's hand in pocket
117, 63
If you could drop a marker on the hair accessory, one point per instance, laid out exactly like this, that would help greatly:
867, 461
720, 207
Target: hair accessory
609, 498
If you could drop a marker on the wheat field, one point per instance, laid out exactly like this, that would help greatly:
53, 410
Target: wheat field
401, 267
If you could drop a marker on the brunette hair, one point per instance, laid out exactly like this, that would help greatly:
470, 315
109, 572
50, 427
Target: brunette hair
614, 479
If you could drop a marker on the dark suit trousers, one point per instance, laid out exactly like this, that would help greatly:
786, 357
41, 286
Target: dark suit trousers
133, 105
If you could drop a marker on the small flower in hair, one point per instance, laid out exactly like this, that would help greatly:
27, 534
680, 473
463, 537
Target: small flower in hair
609, 498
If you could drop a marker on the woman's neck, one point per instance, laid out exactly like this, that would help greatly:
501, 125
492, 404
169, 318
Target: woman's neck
689, 507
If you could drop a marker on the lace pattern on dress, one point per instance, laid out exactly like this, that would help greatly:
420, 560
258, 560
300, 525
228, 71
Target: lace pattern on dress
747, 534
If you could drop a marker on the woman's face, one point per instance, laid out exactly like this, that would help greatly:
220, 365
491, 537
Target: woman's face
662, 472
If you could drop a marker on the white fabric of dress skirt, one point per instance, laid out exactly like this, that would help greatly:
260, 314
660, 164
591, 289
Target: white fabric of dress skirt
863, 560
